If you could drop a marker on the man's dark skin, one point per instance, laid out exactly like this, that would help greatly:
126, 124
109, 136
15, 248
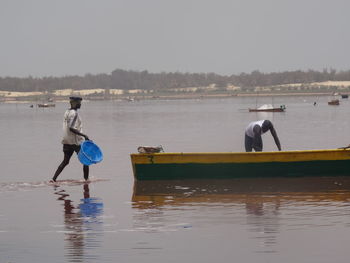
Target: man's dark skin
257, 144
75, 105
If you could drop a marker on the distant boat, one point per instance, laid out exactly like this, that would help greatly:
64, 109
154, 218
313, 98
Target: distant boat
129, 99
333, 102
344, 96
46, 105
268, 108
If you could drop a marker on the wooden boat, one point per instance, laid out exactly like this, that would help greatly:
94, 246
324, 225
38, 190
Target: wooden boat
333, 102
172, 166
46, 105
268, 108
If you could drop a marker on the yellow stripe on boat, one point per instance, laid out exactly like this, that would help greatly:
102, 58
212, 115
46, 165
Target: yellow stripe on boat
285, 156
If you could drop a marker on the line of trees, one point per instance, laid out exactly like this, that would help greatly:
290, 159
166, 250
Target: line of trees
128, 80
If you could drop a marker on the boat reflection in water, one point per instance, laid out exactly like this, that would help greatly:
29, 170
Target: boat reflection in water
157, 192
259, 206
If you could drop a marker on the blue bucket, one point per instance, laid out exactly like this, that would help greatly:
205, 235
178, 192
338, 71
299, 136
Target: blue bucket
89, 153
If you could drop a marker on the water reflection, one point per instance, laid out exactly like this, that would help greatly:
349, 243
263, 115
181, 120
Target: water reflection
257, 190
260, 204
82, 224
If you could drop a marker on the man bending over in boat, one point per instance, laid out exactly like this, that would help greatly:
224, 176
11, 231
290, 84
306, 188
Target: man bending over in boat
253, 134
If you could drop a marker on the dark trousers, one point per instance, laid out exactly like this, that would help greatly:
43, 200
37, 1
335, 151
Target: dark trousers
68, 150
250, 145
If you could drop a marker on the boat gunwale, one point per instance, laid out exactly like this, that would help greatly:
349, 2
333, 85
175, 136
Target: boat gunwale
241, 157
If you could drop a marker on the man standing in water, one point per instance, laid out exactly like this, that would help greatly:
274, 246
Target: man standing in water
253, 134
72, 136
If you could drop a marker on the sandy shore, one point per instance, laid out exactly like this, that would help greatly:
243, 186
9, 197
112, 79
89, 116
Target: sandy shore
280, 90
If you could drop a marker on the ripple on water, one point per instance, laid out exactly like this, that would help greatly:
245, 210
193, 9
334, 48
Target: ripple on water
25, 186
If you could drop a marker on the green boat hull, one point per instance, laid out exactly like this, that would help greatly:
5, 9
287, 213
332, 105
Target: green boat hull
176, 171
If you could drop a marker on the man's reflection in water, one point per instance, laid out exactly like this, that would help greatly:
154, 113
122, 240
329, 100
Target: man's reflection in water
83, 224
263, 217
262, 210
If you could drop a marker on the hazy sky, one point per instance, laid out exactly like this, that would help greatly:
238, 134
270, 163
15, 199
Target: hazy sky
75, 37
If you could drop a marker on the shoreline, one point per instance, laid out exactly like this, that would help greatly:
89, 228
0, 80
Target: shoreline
326, 88
53, 99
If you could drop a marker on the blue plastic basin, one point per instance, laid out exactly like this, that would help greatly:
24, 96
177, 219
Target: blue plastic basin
89, 153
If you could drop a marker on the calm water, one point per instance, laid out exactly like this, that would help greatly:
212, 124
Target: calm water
113, 219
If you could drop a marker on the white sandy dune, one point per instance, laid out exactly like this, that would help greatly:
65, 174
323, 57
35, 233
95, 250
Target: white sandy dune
86, 92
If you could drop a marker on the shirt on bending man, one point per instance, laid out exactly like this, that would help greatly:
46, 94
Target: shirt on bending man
253, 134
